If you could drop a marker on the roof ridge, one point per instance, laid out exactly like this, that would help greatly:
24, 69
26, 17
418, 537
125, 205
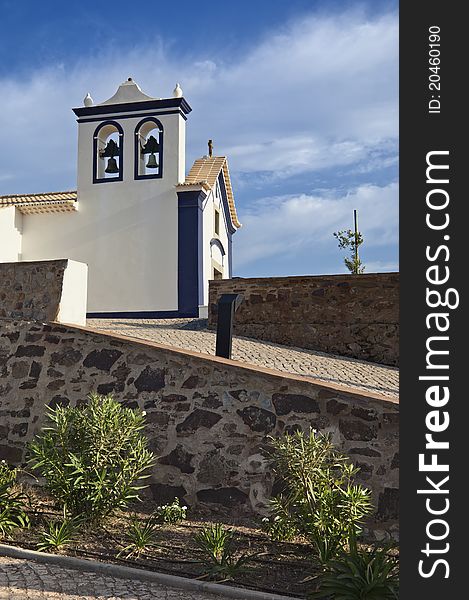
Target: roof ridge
210, 158
37, 194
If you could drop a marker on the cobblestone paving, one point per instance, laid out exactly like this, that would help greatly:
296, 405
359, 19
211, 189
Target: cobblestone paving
192, 334
29, 580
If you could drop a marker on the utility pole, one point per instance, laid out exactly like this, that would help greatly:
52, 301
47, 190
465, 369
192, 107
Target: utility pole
355, 218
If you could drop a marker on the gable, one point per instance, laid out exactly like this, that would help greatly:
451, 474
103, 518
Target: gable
204, 173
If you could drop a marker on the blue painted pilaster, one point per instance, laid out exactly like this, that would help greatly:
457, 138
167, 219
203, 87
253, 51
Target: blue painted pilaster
189, 252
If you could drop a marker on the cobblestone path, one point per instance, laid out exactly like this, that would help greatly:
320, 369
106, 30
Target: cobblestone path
192, 334
29, 580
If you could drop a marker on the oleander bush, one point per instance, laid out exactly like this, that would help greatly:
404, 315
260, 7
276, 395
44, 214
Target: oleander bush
12, 502
281, 526
8, 474
93, 456
320, 501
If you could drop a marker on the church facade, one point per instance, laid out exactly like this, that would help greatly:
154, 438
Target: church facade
151, 236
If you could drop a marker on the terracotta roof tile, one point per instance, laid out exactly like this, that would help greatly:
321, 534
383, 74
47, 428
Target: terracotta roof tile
41, 203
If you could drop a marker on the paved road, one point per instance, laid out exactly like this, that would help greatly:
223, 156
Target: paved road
192, 334
29, 580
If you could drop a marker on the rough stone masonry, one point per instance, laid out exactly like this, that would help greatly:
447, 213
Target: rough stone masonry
31, 290
350, 315
208, 418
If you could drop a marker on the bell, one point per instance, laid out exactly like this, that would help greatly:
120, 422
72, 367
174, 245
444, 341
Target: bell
111, 166
152, 162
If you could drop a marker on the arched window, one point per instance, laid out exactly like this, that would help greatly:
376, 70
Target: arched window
108, 143
217, 255
149, 149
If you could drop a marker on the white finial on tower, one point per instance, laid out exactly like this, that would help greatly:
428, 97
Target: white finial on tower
88, 100
177, 92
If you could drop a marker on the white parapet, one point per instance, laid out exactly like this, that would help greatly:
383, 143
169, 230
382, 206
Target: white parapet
72, 308
11, 227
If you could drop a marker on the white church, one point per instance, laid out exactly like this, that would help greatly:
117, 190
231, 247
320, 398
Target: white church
151, 235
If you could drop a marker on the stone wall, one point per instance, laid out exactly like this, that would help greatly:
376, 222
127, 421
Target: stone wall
351, 315
208, 418
49, 290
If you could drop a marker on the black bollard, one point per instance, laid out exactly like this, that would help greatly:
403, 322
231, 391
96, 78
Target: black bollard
227, 305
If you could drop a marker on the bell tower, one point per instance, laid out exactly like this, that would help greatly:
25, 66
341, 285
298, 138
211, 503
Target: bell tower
129, 138
131, 157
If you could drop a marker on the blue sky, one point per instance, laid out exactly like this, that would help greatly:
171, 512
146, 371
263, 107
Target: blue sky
300, 95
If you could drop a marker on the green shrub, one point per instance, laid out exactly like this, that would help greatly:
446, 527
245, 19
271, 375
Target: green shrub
12, 502
92, 456
215, 542
360, 574
170, 514
320, 501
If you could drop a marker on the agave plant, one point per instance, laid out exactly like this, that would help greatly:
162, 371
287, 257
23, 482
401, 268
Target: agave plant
59, 534
360, 574
140, 534
215, 542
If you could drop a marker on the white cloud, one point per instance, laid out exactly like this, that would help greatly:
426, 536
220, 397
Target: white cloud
301, 224
320, 93
290, 155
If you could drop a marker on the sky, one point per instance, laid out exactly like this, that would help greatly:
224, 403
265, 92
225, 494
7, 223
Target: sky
300, 95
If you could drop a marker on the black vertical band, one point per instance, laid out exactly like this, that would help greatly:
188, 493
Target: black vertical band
433, 398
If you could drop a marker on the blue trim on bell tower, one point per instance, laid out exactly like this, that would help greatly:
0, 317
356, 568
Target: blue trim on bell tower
190, 252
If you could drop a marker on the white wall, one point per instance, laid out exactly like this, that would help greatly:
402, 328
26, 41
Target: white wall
213, 253
72, 308
11, 224
125, 231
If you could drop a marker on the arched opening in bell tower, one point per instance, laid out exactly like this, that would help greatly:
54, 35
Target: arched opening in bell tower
149, 149
108, 142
